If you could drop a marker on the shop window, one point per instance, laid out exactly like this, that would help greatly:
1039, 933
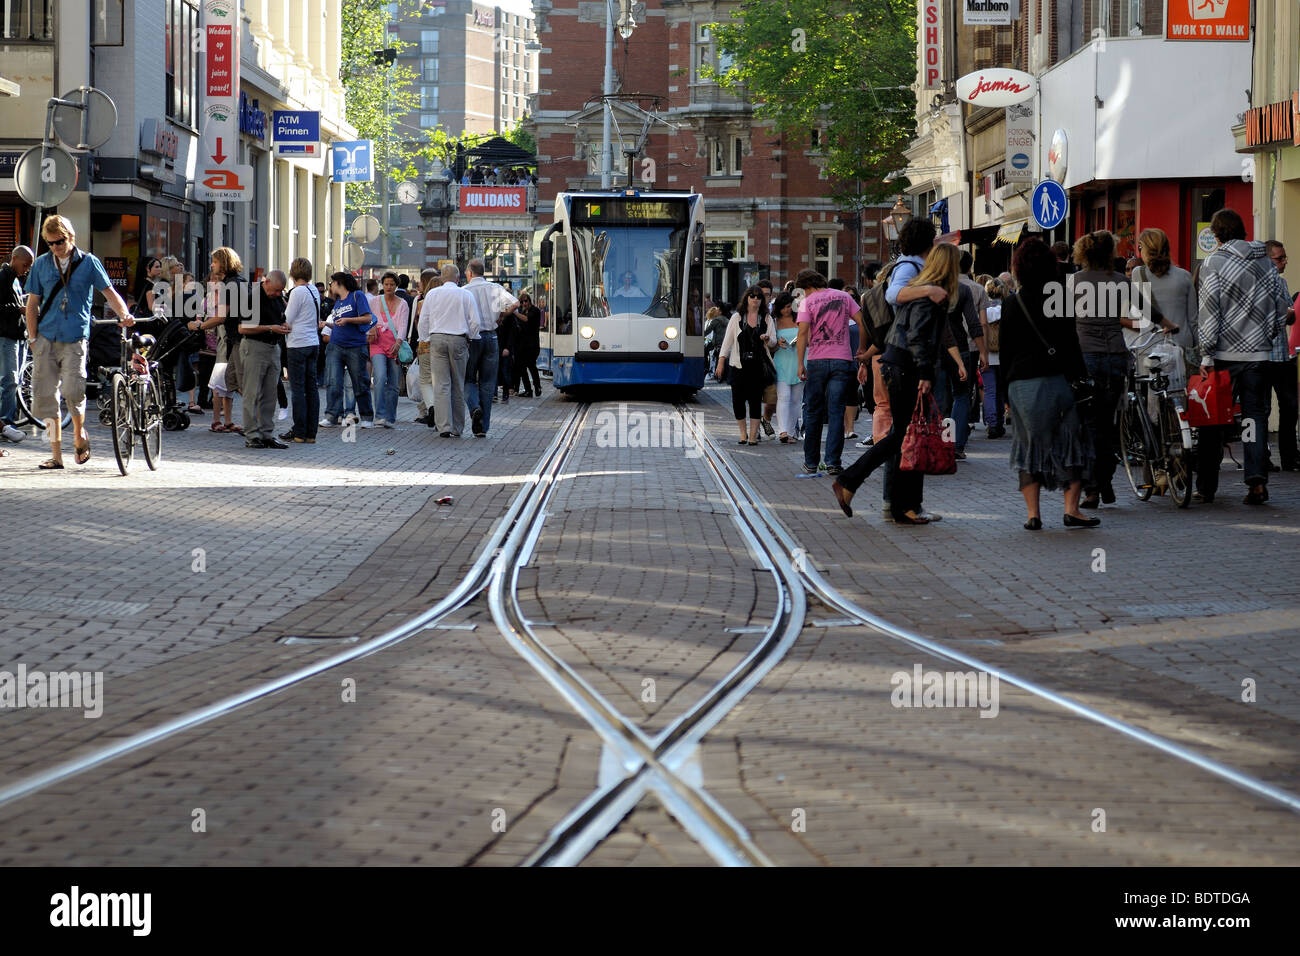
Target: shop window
105, 23
181, 63
26, 20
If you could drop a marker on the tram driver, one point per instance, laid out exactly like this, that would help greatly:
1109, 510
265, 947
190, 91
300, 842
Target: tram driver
625, 297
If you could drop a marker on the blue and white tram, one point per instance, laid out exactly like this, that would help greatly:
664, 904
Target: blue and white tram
622, 279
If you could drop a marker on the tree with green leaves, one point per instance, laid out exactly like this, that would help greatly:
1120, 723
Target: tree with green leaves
846, 67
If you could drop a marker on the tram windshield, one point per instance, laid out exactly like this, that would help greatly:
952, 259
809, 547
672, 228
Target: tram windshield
629, 256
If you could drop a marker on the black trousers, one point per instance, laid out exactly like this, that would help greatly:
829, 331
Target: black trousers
1250, 388
1282, 381
748, 390
526, 366
907, 487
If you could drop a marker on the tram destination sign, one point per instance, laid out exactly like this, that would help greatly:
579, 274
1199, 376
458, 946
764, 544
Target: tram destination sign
623, 211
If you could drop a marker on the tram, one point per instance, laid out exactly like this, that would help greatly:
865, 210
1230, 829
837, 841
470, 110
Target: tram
621, 282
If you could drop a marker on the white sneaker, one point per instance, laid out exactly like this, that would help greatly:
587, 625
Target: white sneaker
13, 434
384, 423
369, 424
327, 422
282, 414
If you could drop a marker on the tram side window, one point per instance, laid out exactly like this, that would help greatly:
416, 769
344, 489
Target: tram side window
561, 298
695, 293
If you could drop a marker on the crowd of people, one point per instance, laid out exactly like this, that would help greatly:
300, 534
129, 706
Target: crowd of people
452, 347
816, 354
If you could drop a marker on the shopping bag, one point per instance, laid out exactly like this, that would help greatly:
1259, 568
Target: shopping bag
1209, 399
924, 448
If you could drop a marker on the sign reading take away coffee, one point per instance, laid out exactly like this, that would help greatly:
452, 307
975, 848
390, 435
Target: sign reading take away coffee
1207, 20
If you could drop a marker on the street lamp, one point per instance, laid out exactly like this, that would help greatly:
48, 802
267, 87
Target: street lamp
900, 214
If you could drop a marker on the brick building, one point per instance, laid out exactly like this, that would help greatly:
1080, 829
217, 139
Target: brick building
767, 205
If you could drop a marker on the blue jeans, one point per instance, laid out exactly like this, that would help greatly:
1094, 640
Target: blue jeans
303, 390
829, 384
386, 372
481, 375
8, 380
339, 359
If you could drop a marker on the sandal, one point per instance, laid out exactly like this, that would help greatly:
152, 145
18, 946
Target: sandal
234, 429
194, 410
82, 454
50, 465
217, 427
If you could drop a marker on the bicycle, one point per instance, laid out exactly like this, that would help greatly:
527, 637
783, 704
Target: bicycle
25, 365
1155, 439
135, 401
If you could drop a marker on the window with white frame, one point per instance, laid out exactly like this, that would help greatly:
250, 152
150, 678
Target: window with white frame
429, 98
718, 164
428, 41
703, 50
428, 120
429, 70
823, 253
737, 154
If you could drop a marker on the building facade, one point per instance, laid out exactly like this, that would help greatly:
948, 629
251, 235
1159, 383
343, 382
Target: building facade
135, 197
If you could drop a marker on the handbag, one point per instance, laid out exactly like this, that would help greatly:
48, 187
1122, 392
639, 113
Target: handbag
1209, 399
924, 448
1084, 389
404, 354
993, 336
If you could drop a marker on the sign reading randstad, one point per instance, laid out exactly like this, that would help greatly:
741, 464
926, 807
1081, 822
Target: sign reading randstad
352, 162
1050, 204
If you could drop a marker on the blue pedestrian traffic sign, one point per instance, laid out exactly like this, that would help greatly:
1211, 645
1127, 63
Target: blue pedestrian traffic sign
1050, 205
352, 162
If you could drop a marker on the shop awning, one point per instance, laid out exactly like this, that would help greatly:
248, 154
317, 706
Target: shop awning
1010, 232
975, 235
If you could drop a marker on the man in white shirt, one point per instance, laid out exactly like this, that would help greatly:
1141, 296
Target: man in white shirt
490, 300
448, 322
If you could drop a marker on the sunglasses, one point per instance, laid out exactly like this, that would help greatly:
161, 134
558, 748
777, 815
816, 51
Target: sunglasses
56, 242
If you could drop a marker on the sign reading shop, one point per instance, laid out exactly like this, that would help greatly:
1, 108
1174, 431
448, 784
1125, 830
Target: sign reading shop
511, 200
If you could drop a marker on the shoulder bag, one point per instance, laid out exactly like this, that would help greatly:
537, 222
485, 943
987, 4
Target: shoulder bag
404, 354
924, 448
1084, 389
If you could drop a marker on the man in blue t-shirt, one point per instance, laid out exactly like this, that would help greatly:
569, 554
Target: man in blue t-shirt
60, 289
348, 350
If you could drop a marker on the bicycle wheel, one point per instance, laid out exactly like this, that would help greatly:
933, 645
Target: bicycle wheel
150, 408
123, 426
1178, 463
1135, 445
25, 397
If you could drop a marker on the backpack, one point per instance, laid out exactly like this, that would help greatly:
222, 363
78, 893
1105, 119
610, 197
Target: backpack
879, 315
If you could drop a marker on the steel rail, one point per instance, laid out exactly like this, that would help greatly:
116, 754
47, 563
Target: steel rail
465, 591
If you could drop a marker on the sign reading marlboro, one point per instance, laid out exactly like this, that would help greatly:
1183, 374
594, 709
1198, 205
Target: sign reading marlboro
930, 50
985, 13
996, 87
219, 176
1207, 20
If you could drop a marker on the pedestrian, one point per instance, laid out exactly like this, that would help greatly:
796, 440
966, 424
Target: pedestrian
744, 351
12, 331
907, 370
826, 365
1040, 356
1101, 300
151, 273
995, 382
348, 350
528, 319
1282, 373
60, 288
372, 287
975, 358
789, 389
394, 317
429, 279
1170, 289
507, 347
483, 359
449, 322
1061, 250
1243, 311
261, 334
207, 325
233, 302
302, 315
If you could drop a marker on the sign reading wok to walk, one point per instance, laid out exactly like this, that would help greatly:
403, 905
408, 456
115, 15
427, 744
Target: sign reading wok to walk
996, 87
1227, 20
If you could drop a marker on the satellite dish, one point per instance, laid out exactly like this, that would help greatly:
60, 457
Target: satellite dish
88, 127
365, 229
46, 182
354, 257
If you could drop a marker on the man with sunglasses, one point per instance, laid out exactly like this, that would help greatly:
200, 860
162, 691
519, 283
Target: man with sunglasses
60, 290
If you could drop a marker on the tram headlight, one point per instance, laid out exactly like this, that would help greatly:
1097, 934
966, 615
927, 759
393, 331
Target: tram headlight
670, 332
586, 331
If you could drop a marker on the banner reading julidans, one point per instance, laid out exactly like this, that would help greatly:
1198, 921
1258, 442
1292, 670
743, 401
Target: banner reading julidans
503, 200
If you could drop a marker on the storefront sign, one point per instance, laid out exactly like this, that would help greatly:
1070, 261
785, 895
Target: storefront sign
986, 13
352, 161
116, 268
157, 137
219, 176
252, 121
1205, 241
1274, 123
930, 54
996, 87
1207, 20
511, 200
1020, 143
9, 160
295, 126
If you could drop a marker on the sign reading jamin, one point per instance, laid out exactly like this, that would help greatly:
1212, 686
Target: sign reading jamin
220, 177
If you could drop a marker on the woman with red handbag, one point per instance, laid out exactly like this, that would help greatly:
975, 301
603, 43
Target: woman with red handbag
1040, 356
907, 370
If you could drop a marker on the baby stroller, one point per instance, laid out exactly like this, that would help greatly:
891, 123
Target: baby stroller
174, 344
